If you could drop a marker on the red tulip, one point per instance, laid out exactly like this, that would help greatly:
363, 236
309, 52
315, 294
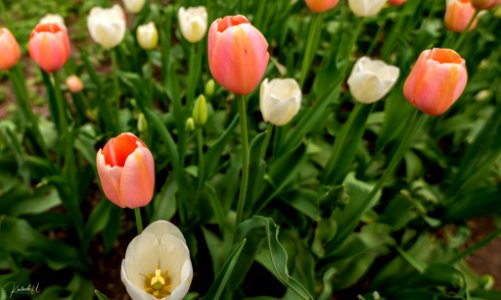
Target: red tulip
49, 46
458, 14
238, 54
127, 172
319, 6
9, 49
436, 81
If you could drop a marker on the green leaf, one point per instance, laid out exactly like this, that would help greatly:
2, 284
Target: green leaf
100, 295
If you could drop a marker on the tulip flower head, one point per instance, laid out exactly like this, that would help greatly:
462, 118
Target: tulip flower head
279, 100
193, 22
53, 18
9, 49
147, 36
371, 80
133, 6
49, 46
396, 2
126, 169
157, 264
74, 84
436, 81
366, 8
238, 54
458, 14
485, 4
319, 6
107, 26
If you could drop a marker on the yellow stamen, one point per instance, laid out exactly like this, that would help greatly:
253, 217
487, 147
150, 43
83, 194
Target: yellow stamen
158, 284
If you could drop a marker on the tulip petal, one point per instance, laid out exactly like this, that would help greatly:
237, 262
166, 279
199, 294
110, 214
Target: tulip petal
175, 257
134, 292
161, 228
110, 180
138, 178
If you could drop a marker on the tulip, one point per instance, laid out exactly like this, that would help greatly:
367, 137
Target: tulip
9, 49
157, 264
319, 6
238, 54
366, 8
107, 26
74, 84
49, 46
133, 6
458, 14
53, 18
436, 81
485, 4
193, 22
147, 36
126, 169
199, 113
279, 100
397, 2
371, 80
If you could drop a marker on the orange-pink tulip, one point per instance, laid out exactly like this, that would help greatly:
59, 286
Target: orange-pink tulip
74, 84
397, 2
127, 172
436, 81
238, 54
319, 6
49, 46
9, 49
458, 14
485, 4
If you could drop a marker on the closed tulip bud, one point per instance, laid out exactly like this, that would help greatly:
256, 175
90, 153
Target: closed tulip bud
53, 18
279, 100
200, 111
371, 80
147, 36
9, 49
126, 169
210, 87
107, 26
458, 14
238, 54
74, 84
366, 8
49, 46
157, 264
319, 6
133, 6
189, 125
193, 22
485, 4
436, 81
397, 2
142, 123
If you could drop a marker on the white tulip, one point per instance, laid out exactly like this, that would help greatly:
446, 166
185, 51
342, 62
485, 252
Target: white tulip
52, 18
366, 8
193, 22
147, 36
157, 264
371, 80
107, 25
279, 100
133, 6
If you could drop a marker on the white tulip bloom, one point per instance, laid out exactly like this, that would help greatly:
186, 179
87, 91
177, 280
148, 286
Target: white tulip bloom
193, 22
371, 80
133, 6
52, 18
147, 36
107, 26
279, 100
366, 8
157, 264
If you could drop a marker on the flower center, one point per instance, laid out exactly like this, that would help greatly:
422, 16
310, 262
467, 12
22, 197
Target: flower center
158, 284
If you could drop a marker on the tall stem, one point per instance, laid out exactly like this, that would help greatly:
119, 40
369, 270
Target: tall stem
201, 163
245, 157
193, 74
311, 47
116, 90
61, 104
139, 220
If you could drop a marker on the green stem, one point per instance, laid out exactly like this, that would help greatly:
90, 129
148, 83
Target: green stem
311, 47
245, 157
139, 220
463, 34
267, 138
476, 247
201, 164
115, 104
61, 104
193, 73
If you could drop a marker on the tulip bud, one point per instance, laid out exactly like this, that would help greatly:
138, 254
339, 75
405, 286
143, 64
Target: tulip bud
200, 111
238, 54
397, 2
371, 80
49, 46
193, 22
147, 36
366, 8
133, 6
458, 14
74, 84
9, 48
126, 169
142, 123
190, 124
210, 87
107, 26
279, 100
436, 81
157, 264
319, 6
53, 18
485, 4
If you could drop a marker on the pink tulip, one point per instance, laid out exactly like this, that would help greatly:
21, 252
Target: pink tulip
9, 49
458, 14
319, 6
74, 84
49, 46
485, 4
397, 2
127, 172
238, 54
436, 81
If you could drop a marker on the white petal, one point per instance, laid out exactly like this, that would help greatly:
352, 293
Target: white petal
160, 228
134, 292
